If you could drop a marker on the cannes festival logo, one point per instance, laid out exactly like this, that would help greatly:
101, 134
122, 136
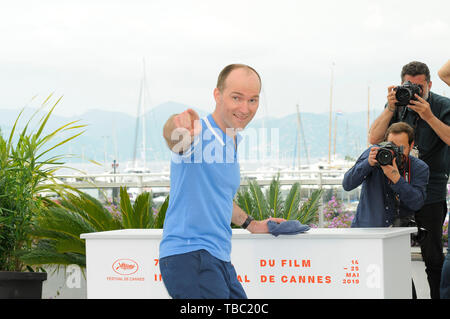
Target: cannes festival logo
125, 266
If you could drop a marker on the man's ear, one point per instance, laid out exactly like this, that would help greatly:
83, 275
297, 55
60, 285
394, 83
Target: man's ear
216, 95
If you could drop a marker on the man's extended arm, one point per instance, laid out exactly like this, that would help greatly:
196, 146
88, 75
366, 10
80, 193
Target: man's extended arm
358, 173
180, 129
444, 73
379, 126
381, 123
256, 226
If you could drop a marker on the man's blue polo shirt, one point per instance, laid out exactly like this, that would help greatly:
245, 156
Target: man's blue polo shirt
203, 183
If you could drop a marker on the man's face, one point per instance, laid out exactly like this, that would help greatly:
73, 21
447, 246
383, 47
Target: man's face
238, 102
419, 80
401, 139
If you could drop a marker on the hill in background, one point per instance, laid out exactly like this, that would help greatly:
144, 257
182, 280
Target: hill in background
112, 135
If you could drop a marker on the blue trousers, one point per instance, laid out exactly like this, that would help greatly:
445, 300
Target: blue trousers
199, 275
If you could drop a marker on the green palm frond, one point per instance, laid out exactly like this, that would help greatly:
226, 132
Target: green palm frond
274, 197
244, 200
260, 203
308, 211
91, 210
160, 217
138, 215
292, 202
125, 207
59, 226
70, 246
142, 214
251, 199
65, 222
46, 253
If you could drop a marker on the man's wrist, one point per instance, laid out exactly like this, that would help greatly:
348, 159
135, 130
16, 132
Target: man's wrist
395, 178
430, 119
247, 222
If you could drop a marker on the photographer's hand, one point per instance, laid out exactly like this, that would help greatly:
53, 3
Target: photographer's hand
421, 107
391, 172
372, 156
391, 98
381, 123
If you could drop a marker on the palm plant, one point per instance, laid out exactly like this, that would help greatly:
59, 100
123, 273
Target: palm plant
60, 225
26, 178
253, 201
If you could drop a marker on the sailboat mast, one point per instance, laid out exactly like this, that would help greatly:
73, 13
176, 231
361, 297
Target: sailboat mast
140, 120
298, 137
144, 101
303, 139
136, 129
334, 138
331, 102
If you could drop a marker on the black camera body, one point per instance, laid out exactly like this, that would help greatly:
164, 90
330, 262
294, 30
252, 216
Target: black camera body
389, 152
405, 92
409, 221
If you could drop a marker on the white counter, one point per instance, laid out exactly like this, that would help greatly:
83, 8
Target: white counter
321, 263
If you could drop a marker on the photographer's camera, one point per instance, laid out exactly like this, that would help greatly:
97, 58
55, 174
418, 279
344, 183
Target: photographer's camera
388, 152
405, 92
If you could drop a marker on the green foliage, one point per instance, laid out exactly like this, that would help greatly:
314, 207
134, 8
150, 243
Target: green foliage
137, 215
60, 225
274, 197
309, 210
261, 206
253, 201
26, 179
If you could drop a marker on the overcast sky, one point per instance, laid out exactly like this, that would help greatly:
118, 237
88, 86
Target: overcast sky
92, 51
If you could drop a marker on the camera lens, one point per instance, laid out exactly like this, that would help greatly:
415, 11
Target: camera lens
403, 95
384, 156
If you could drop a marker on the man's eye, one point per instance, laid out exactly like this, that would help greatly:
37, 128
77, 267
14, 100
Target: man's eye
236, 98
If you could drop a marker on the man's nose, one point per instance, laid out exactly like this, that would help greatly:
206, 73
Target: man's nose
244, 107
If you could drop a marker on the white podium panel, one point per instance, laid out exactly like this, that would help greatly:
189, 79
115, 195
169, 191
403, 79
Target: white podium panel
321, 263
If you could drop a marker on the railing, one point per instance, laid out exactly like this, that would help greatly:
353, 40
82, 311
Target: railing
160, 182
319, 178
313, 179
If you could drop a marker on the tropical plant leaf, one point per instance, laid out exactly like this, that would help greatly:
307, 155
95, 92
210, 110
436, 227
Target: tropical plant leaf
141, 216
65, 222
160, 217
308, 211
125, 207
274, 197
260, 204
292, 202
70, 246
46, 254
244, 201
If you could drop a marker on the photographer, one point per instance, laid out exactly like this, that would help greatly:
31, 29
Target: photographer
444, 74
389, 195
429, 114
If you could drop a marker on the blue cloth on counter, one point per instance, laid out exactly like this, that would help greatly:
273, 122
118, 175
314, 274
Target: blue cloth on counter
289, 227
